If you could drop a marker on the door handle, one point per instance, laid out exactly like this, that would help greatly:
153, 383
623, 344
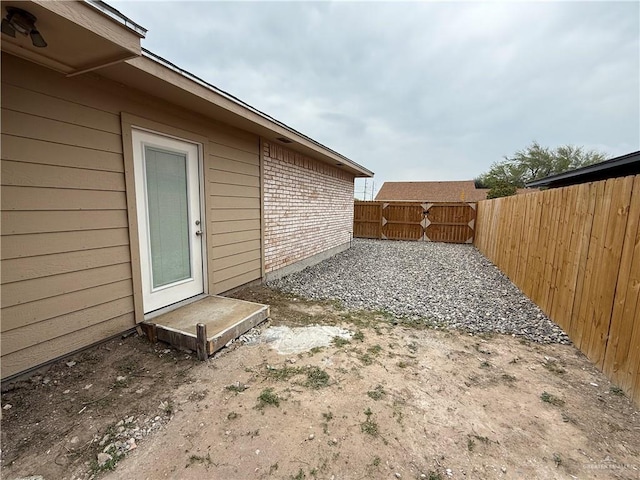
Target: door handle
198, 232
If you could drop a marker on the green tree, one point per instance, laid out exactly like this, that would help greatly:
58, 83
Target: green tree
501, 189
535, 162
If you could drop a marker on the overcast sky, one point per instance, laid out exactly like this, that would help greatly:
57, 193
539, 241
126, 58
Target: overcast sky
418, 91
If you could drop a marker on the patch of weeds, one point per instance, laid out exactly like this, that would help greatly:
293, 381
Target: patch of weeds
317, 378
315, 350
236, 388
284, 373
614, 427
413, 347
471, 444
552, 399
377, 393
325, 425
374, 350
366, 359
434, 476
485, 364
335, 303
397, 413
615, 390
479, 438
340, 342
369, 426
233, 416
567, 418
384, 315
104, 402
197, 459
486, 335
359, 336
350, 317
479, 349
299, 476
198, 396
557, 459
508, 378
313, 472
402, 364
273, 468
126, 365
554, 367
121, 383
324, 465
110, 465
376, 461
167, 406
423, 323
268, 397
91, 358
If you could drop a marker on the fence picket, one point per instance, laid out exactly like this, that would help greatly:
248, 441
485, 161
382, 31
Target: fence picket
575, 251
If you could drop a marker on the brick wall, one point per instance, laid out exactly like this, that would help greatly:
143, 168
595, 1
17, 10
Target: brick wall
308, 206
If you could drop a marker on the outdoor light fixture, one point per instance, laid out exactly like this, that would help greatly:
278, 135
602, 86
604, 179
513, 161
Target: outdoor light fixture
23, 22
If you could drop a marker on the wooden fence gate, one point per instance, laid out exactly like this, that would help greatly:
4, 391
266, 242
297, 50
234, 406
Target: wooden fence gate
431, 222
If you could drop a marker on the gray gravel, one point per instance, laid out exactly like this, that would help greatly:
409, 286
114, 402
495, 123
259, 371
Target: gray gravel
449, 285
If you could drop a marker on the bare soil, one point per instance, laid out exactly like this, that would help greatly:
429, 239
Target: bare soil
397, 401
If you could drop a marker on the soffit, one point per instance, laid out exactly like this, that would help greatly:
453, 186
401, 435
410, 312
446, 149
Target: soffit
79, 37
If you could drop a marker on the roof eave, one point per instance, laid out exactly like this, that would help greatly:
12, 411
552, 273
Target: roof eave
612, 163
115, 15
175, 76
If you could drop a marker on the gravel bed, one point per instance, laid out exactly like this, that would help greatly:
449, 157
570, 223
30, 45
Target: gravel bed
450, 285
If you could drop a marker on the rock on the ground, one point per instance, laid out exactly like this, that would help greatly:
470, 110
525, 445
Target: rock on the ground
442, 284
103, 458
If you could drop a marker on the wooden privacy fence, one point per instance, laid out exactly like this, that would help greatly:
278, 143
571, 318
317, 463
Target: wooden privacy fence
575, 251
435, 222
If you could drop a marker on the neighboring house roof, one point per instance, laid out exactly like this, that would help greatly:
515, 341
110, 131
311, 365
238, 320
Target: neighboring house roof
451, 191
621, 166
454, 191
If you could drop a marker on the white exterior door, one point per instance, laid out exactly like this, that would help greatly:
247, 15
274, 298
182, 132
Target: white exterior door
170, 226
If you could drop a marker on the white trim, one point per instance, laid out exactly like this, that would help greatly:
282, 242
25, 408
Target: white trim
174, 306
160, 297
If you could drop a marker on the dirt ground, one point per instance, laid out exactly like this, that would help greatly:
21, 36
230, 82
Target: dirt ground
396, 401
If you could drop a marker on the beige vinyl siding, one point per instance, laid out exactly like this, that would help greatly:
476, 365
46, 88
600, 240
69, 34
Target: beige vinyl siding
234, 186
65, 283
66, 260
57, 346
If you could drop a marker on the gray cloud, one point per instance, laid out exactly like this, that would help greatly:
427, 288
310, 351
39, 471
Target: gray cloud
418, 91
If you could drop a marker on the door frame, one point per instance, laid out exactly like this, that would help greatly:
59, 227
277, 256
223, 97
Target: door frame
156, 298
130, 122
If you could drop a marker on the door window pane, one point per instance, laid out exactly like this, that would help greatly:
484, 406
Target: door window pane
167, 209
